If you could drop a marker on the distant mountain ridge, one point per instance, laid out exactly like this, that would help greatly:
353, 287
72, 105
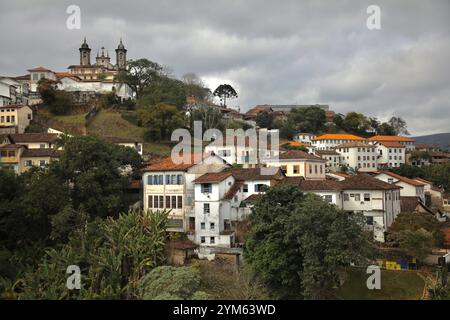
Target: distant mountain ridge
440, 139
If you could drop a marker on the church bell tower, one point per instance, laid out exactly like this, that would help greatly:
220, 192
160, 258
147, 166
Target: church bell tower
85, 54
121, 56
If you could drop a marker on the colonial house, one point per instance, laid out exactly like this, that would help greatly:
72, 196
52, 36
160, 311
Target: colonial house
10, 156
15, 118
36, 140
330, 141
359, 156
433, 194
168, 185
242, 150
13, 91
37, 158
407, 142
220, 202
131, 143
304, 137
378, 201
333, 159
296, 163
391, 154
409, 187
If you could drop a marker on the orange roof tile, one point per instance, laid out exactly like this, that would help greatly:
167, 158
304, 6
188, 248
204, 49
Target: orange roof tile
390, 138
355, 144
39, 69
391, 144
168, 165
404, 179
338, 136
213, 177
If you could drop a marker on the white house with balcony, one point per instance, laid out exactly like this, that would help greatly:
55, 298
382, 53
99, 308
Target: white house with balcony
405, 141
391, 154
409, 187
220, 202
169, 186
331, 140
359, 156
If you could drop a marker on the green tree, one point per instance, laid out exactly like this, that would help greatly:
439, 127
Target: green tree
385, 129
224, 92
264, 120
58, 102
171, 283
311, 119
161, 120
113, 254
399, 126
164, 90
139, 75
98, 172
298, 242
210, 117
195, 87
416, 233
357, 123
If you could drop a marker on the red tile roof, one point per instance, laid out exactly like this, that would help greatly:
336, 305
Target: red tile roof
391, 144
34, 137
338, 136
13, 106
213, 177
390, 138
298, 154
365, 182
355, 144
39, 69
233, 190
38, 153
404, 179
168, 165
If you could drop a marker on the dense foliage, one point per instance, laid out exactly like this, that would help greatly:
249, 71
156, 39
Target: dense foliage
299, 242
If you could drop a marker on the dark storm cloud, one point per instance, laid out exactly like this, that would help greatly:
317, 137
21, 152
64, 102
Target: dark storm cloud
271, 51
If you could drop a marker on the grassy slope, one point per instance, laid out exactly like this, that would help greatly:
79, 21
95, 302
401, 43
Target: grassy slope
395, 285
111, 124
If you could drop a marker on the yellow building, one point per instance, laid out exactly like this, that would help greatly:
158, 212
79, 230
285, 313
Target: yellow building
296, 163
15, 118
37, 158
10, 156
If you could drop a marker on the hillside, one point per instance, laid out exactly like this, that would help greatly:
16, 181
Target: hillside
106, 123
440, 139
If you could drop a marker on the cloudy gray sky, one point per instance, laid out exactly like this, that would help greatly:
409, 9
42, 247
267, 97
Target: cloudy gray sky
275, 52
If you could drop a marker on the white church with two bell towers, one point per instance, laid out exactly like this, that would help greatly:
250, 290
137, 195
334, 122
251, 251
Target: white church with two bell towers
102, 69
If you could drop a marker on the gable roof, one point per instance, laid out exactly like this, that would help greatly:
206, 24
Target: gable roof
13, 106
318, 185
355, 144
327, 152
424, 181
391, 144
213, 177
233, 190
298, 154
168, 165
37, 153
34, 137
39, 69
390, 138
365, 182
338, 136
403, 179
